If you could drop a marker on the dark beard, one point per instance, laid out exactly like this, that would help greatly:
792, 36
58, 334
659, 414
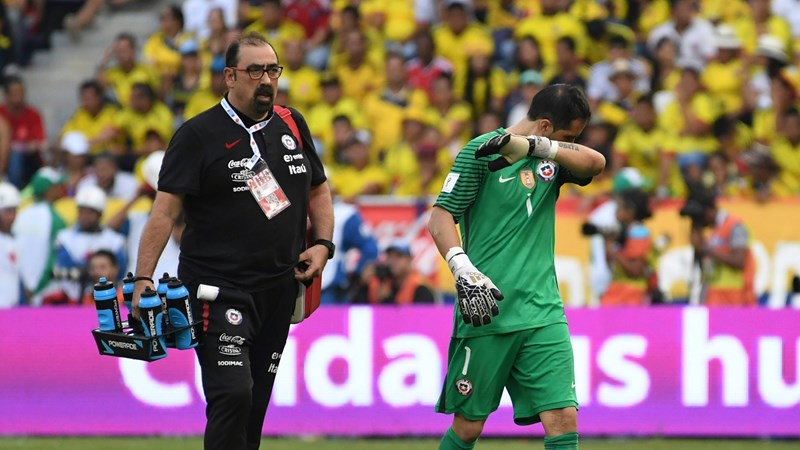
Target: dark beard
261, 107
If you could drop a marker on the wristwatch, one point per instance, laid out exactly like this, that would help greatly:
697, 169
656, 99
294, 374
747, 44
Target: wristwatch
327, 244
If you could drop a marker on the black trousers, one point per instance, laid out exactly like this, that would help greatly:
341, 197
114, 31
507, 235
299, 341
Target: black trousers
239, 357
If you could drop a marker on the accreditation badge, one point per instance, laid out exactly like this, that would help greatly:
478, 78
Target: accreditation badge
267, 191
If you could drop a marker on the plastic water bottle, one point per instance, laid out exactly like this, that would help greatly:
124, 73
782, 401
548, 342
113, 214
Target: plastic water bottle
105, 300
180, 314
151, 315
162, 294
127, 297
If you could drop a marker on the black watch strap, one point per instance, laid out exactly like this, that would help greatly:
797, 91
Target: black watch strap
328, 244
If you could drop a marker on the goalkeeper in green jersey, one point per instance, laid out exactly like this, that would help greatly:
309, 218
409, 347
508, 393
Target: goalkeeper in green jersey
509, 329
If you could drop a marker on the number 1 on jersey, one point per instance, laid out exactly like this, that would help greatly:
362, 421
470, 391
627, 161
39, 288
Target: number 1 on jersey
466, 360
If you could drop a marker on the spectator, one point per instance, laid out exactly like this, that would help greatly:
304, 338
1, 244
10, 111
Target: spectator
786, 151
483, 87
333, 104
551, 25
402, 161
607, 39
569, 68
455, 124
341, 282
760, 182
314, 17
350, 19
599, 86
770, 58
617, 110
161, 50
75, 244
456, 36
630, 253
687, 122
35, 230
127, 71
426, 66
27, 133
131, 124
101, 264
74, 154
501, 17
363, 75
665, 72
724, 255
9, 272
396, 281
724, 77
198, 17
205, 98
189, 78
274, 26
384, 108
357, 176
303, 81
527, 56
758, 21
219, 34
694, 36
530, 83
92, 115
106, 175
783, 95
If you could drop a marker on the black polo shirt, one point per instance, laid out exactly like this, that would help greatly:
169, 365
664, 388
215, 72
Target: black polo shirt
228, 240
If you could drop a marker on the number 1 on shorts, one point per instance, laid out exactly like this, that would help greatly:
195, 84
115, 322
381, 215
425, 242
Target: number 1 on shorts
466, 361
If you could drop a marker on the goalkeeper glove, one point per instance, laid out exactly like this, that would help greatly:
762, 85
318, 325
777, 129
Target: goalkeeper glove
476, 293
512, 150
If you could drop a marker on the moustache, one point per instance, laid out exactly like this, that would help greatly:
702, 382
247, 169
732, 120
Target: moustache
265, 90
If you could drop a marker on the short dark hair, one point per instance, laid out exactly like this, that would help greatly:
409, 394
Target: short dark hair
105, 254
146, 89
177, 14
125, 36
560, 104
10, 80
250, 39
568, 41
93, 85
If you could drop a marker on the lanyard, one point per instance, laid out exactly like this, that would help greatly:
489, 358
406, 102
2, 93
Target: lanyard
250, 131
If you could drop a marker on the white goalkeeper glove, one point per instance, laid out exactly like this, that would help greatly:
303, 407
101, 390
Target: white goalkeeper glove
476, 293
513, 148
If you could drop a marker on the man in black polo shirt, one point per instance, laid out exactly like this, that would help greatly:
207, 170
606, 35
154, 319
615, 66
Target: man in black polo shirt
240, 244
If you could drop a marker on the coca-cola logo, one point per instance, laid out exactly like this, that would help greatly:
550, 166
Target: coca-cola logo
235, 164
238, 340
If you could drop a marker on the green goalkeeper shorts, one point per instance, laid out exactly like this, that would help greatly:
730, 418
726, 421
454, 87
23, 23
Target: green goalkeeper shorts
535, 365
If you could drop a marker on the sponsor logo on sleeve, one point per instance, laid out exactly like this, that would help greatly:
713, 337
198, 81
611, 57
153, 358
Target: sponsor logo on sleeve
450, 182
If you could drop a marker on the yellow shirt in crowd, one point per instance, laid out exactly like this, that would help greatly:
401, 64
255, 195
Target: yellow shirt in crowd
455, 48
199, 101
349, 182
91, 126
671, 120
286, 31
386, 118
121, 82
724, 82
547, 30
162, 53
304, 87
787, 156
135, 125
320, 117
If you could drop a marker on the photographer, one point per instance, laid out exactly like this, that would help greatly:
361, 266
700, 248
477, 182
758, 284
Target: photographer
629, 253
396, 281
726, 264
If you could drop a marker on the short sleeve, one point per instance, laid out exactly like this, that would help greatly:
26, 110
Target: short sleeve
309, 150
462, 184
565, 176
181, 169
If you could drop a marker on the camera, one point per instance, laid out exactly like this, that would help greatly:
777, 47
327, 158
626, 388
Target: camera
383, 272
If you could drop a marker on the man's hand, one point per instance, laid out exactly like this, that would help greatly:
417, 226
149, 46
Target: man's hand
513, 148
477, 295
310, 264
138, 288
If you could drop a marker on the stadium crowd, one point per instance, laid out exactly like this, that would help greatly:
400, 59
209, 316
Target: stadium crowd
690, 99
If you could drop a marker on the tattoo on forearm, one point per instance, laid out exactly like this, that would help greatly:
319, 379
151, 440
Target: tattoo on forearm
569, 146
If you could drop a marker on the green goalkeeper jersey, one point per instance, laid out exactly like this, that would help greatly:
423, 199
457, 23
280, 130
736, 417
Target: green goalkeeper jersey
507, 222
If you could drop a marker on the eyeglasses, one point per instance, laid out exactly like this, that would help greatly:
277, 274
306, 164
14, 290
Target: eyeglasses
257, 72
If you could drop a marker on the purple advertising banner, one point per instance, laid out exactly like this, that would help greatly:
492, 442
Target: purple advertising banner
378, 371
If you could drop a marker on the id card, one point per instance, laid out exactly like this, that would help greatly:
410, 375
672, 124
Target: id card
267, 191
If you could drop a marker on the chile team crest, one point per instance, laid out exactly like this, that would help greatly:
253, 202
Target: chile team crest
546, 170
